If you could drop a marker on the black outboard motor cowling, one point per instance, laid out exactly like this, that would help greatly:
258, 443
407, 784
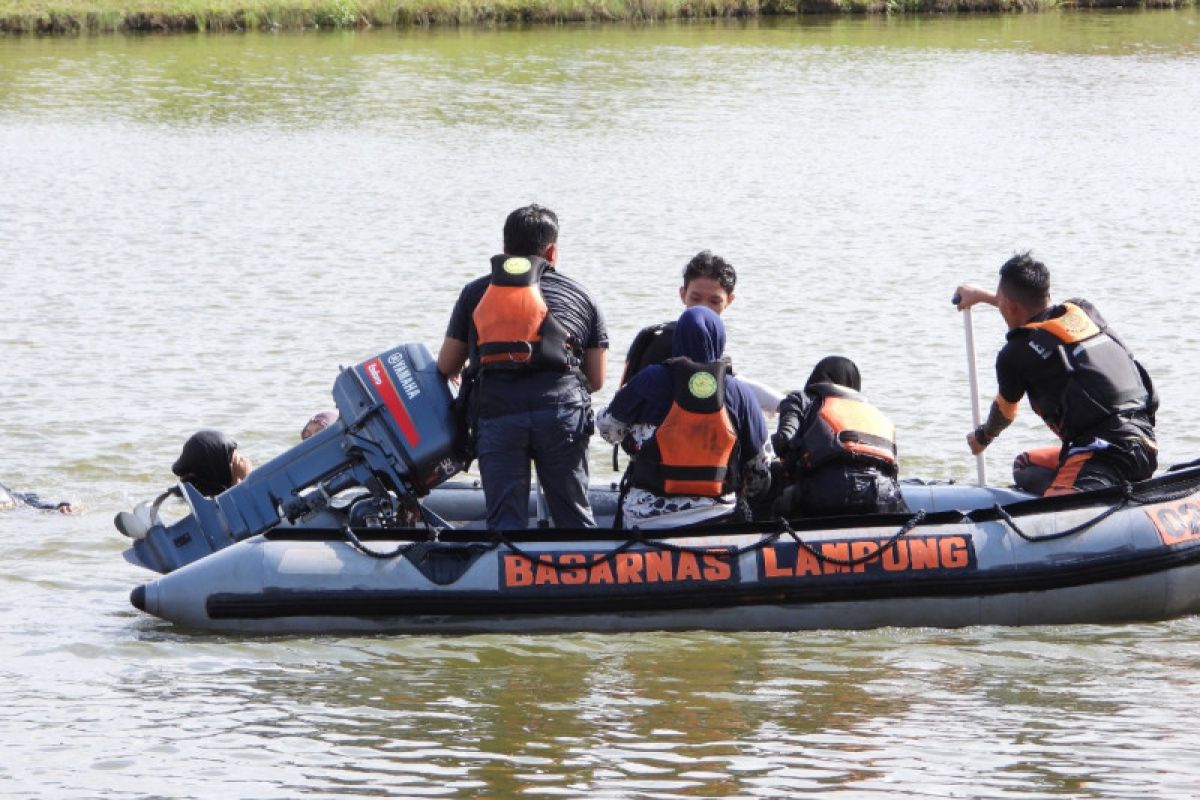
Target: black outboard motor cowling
395, 433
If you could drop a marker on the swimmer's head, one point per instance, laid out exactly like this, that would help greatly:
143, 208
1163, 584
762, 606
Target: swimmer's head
319, 422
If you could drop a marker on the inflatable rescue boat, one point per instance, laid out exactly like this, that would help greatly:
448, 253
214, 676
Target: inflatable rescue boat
347, 532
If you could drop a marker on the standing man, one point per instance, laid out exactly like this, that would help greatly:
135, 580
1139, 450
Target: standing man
708, 281
538, 348
1080, 378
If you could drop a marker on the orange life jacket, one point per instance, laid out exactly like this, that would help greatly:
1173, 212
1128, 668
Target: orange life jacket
512, 328
694, 449
1102, 380
847, 429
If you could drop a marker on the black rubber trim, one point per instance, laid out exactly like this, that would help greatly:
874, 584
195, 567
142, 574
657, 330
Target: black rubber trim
392, 603
1098, 498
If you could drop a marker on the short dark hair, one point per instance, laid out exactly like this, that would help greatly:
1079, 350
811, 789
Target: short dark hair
1026, 280
706, 265
529, 230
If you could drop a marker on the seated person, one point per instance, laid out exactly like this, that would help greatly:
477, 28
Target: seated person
700, 437
708, 280
838, 451
210, 461
10, 500
319, 422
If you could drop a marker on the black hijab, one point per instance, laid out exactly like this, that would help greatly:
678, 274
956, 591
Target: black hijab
204, 462
837, 370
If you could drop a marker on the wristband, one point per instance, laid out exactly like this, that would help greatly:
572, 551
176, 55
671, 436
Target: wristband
981, 436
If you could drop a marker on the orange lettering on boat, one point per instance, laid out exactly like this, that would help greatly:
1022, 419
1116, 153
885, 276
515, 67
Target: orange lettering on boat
517, 571
923, 554
806, 563
954, 552
838, 550
546, 573
895, 559
864, 551
689, 568
573, 577
716, 568
771, 568
601, 571
629, 568
658, 567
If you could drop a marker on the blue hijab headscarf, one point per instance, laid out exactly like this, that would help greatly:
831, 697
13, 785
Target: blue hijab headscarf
699, 335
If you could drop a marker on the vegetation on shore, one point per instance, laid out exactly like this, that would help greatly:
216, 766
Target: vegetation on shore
103, 16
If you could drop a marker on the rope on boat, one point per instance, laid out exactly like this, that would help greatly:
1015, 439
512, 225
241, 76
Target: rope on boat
724, 554
912, 522
1126, 498
357, 544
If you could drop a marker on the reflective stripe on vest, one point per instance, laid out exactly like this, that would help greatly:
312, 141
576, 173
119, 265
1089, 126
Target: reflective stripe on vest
695, 444
512, 326
847, 428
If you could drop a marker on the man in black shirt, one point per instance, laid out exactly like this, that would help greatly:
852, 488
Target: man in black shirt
1080, 378
538, 348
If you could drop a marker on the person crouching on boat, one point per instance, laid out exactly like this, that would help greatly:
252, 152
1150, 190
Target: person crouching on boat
837, 450
699, 435
210, 461
1080, 378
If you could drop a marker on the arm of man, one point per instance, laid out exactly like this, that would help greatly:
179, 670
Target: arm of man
969, 295
595, 363
452, 357
1004, 407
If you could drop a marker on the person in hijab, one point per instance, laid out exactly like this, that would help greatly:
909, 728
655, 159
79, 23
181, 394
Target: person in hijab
210, 461
319, 422
837, 450
699, 435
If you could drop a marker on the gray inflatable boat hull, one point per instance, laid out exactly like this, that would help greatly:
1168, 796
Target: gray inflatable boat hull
1132, 559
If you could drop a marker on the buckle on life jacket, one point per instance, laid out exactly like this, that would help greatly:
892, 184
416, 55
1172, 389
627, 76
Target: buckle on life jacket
525, 357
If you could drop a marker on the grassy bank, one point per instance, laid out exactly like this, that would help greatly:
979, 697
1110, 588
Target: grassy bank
101, 16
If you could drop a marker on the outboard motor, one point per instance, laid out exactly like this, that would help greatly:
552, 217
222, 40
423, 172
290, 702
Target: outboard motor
395, 435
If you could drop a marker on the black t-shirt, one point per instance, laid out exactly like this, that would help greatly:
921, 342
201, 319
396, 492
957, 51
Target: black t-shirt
1022, 369
514, 391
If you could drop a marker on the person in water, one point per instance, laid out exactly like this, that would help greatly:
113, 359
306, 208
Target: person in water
538, 348
211, 462
10, 500
838, 451
1080, 378
699, 436
319, 422
709, 281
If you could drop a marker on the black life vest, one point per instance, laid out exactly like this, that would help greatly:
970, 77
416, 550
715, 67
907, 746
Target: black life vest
1102, 378
846, 429
694, 449
512, 328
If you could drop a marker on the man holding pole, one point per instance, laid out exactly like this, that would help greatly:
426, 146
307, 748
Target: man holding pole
1080, 378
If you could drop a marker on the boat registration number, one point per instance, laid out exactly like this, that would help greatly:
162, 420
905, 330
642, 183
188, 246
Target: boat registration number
1177, 521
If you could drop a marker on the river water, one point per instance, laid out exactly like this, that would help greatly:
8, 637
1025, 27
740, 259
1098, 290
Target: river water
196, 231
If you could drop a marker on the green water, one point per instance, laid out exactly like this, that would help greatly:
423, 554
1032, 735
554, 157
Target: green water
197, 230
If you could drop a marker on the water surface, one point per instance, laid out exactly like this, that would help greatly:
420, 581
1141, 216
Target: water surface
198, 230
